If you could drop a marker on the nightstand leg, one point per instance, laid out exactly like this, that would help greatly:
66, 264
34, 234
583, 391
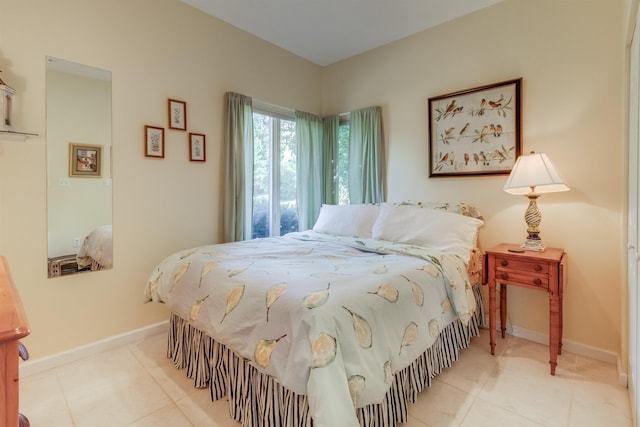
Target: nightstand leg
503, 308
554, 331
492, 317
560, 337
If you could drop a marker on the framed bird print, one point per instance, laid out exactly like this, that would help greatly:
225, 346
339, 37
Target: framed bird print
475, 131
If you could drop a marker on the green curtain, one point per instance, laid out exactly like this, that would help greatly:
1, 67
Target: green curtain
238, 195
330, 137
316, 163
367, 167
309, 171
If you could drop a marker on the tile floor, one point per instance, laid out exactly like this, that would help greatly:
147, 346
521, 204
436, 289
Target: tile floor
137, 386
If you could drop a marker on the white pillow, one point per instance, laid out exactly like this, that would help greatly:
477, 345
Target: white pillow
347, 220
434, 229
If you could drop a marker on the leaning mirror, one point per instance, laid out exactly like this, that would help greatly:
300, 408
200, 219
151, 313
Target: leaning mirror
79, 190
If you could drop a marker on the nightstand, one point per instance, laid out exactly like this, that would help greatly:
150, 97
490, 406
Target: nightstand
542, 271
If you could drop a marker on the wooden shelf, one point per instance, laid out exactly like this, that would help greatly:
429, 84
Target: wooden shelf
9, 134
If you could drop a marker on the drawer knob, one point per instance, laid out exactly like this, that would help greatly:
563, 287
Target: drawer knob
504, 263
504, 276
22, 351
538, 267
537, 282
23, 421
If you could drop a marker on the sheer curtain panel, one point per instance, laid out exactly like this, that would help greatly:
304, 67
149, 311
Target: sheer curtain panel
331, 126
309, 168
238, 193
367, 167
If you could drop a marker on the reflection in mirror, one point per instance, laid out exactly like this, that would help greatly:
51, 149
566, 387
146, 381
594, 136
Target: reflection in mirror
79, 190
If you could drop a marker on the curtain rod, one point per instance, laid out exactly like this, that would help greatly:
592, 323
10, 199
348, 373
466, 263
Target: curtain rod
272, 107
259, 104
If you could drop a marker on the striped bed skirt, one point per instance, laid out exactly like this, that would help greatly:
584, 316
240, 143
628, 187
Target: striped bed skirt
96, 266
259, 400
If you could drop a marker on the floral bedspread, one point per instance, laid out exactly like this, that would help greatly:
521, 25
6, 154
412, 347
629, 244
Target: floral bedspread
332, 318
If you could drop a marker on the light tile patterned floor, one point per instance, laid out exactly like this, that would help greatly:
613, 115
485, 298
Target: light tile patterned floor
137, 386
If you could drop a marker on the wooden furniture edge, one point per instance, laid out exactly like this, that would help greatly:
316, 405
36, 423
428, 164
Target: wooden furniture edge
13, 326
13, 319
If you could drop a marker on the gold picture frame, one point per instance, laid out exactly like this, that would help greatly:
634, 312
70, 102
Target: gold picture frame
85, 160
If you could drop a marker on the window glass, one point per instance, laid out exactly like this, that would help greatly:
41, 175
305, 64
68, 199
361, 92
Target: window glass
262, 136
288, 208
274, 175
343, 164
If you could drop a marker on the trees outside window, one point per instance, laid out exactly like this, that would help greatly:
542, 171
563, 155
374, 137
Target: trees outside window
343, 164
274, 175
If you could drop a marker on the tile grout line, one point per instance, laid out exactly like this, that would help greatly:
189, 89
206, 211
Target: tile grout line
64, 395
173, 402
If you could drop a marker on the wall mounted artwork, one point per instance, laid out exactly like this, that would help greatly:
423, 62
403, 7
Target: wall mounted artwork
85, 160
177, 114
197, 147
153, 141
475, 131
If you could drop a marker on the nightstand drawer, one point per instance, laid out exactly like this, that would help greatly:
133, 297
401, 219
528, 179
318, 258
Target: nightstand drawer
523, 265
506, 265
517, 277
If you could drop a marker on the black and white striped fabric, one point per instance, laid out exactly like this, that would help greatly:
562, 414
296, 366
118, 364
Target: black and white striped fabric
259, 400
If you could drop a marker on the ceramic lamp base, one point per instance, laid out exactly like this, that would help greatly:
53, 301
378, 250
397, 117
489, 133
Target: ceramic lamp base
533, 245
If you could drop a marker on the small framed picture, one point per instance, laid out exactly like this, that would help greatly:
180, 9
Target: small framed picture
85, 160
153, 141
197, 148
177, 114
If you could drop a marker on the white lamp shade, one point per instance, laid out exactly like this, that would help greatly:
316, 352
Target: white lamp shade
534, 170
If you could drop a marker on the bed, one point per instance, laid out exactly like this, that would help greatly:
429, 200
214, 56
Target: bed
341, 325
96, 251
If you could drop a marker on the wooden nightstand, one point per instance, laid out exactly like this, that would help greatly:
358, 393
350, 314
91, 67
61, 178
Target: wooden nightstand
543, 271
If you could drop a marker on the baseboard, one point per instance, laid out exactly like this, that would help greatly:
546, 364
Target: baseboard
568, 345
576, 348
34, 366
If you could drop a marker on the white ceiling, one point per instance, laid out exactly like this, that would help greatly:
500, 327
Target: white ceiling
327, 31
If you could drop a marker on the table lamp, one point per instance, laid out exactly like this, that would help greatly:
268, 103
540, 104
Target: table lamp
531, 176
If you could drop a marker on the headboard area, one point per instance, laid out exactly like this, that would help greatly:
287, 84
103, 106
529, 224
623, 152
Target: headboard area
476, 261
442, 226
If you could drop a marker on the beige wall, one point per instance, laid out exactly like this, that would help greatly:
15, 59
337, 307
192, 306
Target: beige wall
156, 49
568, 52
570, 56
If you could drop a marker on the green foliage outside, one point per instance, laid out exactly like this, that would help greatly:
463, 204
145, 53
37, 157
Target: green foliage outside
265, 129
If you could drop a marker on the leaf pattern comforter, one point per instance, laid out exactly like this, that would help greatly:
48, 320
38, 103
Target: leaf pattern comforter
330, 317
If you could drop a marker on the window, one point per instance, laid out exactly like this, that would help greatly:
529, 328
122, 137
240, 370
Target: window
343, 163
274, 174
275, 211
